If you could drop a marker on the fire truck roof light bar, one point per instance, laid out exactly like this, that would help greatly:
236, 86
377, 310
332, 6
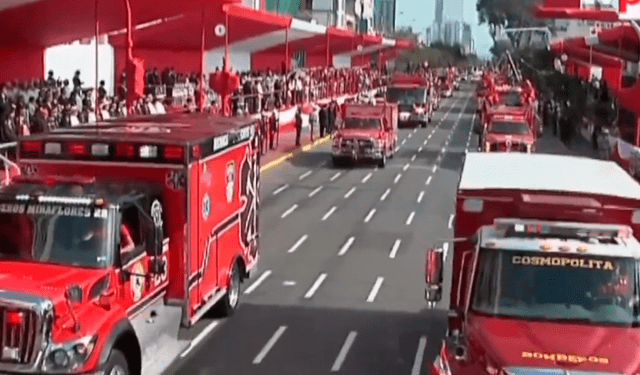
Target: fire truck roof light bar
66, 200
562, 229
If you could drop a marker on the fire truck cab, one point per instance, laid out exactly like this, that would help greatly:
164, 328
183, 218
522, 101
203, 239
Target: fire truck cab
116, 236
544, 270
411, 94
508, 133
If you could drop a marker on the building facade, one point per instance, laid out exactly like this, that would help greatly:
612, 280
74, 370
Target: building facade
385, 16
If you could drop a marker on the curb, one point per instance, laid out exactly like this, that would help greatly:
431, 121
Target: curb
295, 152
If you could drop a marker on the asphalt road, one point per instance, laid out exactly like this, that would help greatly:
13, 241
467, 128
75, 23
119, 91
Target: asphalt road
341, 282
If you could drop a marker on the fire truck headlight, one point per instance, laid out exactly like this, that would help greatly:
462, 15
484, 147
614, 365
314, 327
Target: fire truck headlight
69, 355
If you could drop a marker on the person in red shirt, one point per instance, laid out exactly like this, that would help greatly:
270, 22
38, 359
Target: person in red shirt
126, 240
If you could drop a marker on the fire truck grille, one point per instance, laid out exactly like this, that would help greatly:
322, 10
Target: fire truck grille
405, 107
19, 330
514, 147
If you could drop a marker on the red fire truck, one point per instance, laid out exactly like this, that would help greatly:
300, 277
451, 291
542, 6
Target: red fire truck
115, 236
508, 133
544, 275
367, 132
411, 93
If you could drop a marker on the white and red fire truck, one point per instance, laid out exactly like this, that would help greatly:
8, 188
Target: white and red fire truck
116, 236
367, 132
545, 268
412, 94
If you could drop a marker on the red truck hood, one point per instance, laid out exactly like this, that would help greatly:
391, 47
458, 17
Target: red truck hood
46, 280
580, 347
358, 133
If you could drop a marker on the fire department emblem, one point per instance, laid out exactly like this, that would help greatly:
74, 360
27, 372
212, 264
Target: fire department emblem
206, 206
156, 213
137, 282
231, 180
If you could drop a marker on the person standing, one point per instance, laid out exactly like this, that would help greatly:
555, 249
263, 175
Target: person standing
313, 120
298, 124
323, 117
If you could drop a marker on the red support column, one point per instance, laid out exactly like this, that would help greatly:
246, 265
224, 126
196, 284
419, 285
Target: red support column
287, 59
129, 64
97, 21
201, 90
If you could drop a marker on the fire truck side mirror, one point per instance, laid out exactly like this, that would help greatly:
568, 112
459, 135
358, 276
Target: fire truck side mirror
158, 240
434, 275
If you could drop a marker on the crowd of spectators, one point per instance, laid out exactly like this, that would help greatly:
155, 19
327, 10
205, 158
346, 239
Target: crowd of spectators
43, 105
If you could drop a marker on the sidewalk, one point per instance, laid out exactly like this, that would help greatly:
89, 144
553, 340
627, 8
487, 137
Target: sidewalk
580, 146
288, 149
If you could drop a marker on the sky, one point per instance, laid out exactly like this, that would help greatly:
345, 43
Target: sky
408, 9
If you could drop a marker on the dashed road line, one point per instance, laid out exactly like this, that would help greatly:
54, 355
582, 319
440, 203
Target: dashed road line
450, 225
370, 215
410, 218
420, 149
385, 195
420, 196
315, 191
201, 336
375, 289
351, 337
305, 175
435, 167
346, 246
404, 141
394, 249
397, 148
415, 130
315, 286
366, 178
428, 180
417, 362
350, 192
335, 176
398, 176
257, 283
280, 189
406, 166
269, 345
410, 135
413, 158
329, 213
445, 250
289, 211
297, 244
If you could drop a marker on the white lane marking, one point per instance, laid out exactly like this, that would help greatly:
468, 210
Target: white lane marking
385, 195
280, 189
410, 135
450, 225
417, 362
443, 150
257, 283
289, 283
430, 135
404, 141
366, 178
201, 336
297, 244
351, 337
397, 178
397, 148
329, 213
335, 176
370, 215
394, 249
305, 175
289, 211
425, 142
346, 246
420, 196
406, 166
434, 168
428, 180
375, 289
350, 192
445, 250
413, 158
420, 149
315, 286
315, 191
269, 345
410, 218
414, 130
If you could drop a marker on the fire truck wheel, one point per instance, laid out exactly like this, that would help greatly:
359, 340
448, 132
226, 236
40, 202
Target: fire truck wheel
383, 161
232, 298
337, 162
423, 124
429, 120
116, 364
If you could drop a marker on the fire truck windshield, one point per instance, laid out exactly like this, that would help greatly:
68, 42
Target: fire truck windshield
511, 99
406, 95
508, 127
556, 286
361, 123
67, 235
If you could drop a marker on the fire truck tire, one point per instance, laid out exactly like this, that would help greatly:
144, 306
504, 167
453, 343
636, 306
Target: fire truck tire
337, 162
116, 364
231, 300
423, 124
383, 161
429, 119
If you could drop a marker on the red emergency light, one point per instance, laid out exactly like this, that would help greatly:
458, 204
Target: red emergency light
125, 150
77, 149
14, 317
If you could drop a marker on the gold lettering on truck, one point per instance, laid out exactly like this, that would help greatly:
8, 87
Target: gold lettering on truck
553, 261
566, 358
